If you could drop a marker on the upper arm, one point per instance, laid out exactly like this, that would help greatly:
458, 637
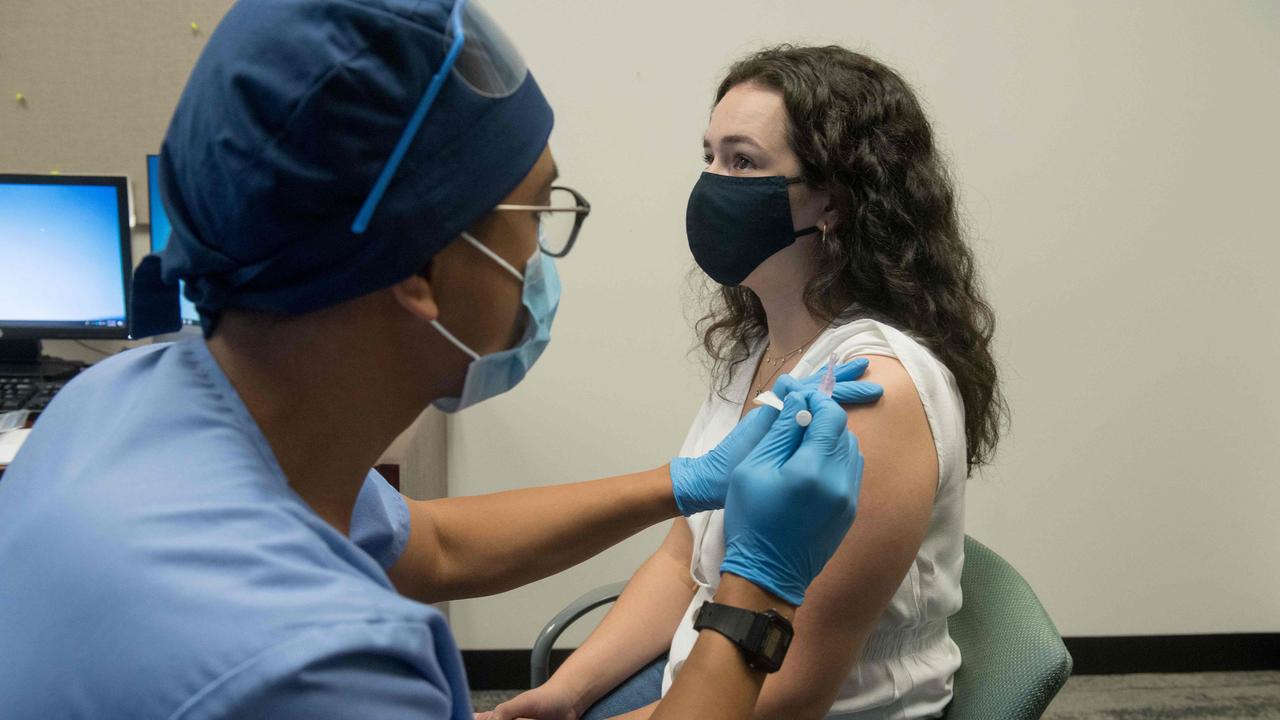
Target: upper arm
380, 520
414, 573
846, 600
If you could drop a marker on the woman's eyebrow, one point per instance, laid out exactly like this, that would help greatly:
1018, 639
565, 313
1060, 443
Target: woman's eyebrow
735, 139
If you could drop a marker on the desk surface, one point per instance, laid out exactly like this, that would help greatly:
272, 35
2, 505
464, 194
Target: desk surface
10, 442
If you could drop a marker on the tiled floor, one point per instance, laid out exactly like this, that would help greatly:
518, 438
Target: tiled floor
1189, 696
1185, 696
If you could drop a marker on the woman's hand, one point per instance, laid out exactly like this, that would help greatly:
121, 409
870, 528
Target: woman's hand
700, 483
541, 703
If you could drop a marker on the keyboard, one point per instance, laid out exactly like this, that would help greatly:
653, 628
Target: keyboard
27, 392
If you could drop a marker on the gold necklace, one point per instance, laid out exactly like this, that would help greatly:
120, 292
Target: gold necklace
779, 362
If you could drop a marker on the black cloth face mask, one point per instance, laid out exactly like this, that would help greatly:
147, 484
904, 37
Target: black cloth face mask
736, 223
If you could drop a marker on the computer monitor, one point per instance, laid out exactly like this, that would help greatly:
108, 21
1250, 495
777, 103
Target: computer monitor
65, 257
160, 229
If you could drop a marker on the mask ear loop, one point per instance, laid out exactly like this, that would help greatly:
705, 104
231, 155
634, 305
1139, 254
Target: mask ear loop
493, 256
454, 339
425, 273
799, 180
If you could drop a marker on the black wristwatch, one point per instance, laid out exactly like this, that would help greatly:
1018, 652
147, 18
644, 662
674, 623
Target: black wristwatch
762, 637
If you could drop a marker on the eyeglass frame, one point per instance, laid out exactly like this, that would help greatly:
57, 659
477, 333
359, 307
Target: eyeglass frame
582, 210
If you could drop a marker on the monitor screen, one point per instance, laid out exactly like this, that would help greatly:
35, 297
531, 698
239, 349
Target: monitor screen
160, 229
65, 258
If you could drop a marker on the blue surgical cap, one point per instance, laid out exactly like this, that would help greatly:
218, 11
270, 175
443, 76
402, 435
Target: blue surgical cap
284, 126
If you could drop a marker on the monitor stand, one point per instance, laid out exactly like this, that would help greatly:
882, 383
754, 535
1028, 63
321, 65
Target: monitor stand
186, 331
25, 351
22, 356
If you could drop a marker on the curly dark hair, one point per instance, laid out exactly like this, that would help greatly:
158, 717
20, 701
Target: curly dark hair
896, 250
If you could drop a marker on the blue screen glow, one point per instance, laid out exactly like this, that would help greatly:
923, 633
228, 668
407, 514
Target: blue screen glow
60, 259
160, 229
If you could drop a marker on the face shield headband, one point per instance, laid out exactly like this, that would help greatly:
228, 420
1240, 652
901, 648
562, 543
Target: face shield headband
480, 55
298, 209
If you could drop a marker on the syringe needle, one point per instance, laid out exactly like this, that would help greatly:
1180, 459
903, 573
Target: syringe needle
827, 385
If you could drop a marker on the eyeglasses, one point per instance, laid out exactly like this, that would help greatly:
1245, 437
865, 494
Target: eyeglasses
561, 219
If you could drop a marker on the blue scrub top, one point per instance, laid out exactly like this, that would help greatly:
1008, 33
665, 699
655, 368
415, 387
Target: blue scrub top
155, 563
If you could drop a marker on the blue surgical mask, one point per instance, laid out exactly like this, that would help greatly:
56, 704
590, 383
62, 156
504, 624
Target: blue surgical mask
493, 374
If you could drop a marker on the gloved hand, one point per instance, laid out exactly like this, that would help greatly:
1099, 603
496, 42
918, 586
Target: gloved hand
792, 500
848, 391
700, 483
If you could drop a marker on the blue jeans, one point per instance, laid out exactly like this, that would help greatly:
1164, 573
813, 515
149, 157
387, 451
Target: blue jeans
635, 692
641, 689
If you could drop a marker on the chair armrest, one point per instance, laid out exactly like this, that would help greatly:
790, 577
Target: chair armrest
540, 662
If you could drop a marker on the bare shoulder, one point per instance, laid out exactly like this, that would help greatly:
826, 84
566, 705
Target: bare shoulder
848, 598
899, 482
894, 432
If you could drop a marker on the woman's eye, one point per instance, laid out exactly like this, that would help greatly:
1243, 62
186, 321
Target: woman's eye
707, 159
742, 162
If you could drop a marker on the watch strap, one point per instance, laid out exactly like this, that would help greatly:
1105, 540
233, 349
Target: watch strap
762, 637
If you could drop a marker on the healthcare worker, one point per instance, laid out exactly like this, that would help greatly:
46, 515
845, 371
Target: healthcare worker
192, 529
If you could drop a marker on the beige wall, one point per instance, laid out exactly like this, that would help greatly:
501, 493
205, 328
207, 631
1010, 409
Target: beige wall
1117, 167
100, 81
1117, 163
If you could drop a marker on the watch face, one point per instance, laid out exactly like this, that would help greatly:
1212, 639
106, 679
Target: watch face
763, 637
772, 639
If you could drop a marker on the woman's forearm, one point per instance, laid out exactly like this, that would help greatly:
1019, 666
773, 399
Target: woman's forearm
637, 629
471, 546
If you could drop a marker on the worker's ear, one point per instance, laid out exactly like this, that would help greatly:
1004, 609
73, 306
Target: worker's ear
415, 295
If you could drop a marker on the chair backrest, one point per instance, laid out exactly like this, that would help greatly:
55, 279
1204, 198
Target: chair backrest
540, 658
1012, 658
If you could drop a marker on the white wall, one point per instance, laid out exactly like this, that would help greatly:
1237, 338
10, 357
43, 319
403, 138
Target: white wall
1117, 164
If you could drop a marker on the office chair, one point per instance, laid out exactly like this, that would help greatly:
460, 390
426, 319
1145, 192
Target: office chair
1013, 660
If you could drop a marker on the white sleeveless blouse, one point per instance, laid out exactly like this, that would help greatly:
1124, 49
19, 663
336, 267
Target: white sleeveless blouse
909, 659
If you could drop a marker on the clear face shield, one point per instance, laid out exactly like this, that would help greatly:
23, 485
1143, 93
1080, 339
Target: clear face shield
477, 53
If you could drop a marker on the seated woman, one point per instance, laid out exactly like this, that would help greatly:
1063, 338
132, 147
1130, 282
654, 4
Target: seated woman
828, 217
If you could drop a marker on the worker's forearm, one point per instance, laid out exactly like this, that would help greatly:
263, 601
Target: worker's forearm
485, 544
714, 681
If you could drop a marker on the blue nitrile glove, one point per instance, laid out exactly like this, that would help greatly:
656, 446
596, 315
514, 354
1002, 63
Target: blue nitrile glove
849, 390
792, 500
700, 483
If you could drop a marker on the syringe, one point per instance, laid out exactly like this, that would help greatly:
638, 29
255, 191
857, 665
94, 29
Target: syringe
826, 386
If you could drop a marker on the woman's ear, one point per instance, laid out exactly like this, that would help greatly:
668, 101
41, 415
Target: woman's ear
830, 218
415, 295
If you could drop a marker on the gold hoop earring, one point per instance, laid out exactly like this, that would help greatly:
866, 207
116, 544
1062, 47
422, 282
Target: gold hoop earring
824, 233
